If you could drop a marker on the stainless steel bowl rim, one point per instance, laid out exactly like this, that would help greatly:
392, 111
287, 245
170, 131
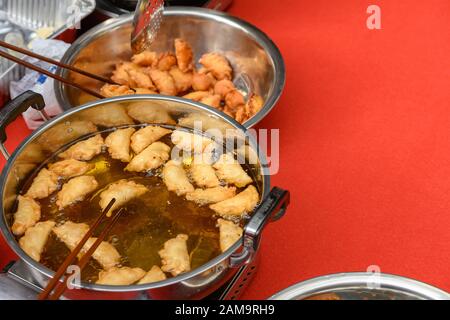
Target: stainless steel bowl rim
185, 276
352, 280
263, 40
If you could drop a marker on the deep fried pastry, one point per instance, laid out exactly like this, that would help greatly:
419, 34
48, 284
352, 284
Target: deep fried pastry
230, 171
84, 150
174, 256
244, 202
176, 179
203, 174
146, 136
183, 81
212, 195
108, 115
153, 157
113, 90
118, 143
149, 112
230, 233
35, 238
190, 142
197, 95
123, 191
212, 100
27, 215
140, 79
70, 168
218, 65
123, 276
202, 82
166, 61
184, 54
154, 275
45, 183
223, 87
76, 190
164, 82
121, 74
144, 91
145, 58
234, 99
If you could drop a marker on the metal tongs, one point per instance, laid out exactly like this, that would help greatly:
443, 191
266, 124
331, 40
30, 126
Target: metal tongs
146, 24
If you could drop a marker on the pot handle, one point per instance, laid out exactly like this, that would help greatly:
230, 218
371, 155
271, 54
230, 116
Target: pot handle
271, 209
16, 107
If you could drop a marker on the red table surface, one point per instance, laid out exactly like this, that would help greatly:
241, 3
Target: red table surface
365, 137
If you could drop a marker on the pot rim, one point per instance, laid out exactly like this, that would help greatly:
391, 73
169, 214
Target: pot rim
14, 245
273, 52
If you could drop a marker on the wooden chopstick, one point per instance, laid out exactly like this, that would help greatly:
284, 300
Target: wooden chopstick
55, 62
49, 74
73, 255
62, 286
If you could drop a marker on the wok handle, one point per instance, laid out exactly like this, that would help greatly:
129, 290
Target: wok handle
271, 209
16, 107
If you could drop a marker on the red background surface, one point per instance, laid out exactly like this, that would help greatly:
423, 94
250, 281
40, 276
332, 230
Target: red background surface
365, 137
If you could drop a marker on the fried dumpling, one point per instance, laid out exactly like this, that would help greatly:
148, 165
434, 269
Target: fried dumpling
212, 195
120, 276
146, 136
153, 157
175, 178
145, 58
154, 275
35, 238
164, 82
230, 233
190, 142
183, 81
203, 175
218, 65
76, 190
149, 112
118, 143
230, 171
175, 256
45, 183
244, 202
84, 150
184, 54
70, 168
113, 90
123, 191
27, 215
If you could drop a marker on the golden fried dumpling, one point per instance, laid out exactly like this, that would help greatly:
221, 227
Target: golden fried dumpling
123, 276
234, 100
166, 61
183, 81
141, 79
154, 275
218, 65
45, 183
145, 58
84, 150
76, 190
108, 115
149, 112
175, 178
146, 136
202, 82
211, 195
203, 174
118, 143
27, 215
144, 91
70, 168
175, 256
197, 95
35, 238
184, 54
213, 100
153, 157
244, 202
223, 87
123, 191
187, 141
113, 90
230, 171
230, 233
164, 82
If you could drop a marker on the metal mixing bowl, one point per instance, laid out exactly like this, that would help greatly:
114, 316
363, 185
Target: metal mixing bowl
252, 54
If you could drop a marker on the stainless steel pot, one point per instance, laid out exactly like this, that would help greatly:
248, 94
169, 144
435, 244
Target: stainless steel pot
361, 286
159, 109
257, 62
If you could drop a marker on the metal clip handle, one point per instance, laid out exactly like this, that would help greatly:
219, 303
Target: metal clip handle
15, 108
273, 208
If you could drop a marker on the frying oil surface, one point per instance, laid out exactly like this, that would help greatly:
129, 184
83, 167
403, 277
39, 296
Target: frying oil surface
145, 225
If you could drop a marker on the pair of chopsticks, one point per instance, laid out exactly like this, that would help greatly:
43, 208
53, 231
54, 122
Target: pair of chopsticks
26, 64
58, 287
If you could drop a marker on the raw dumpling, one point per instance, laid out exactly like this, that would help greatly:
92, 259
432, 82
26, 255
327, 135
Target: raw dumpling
175, 256
154, 275
72, 233
230, 171
190, 142
35, 238
213, 195
146, 136
45, 183
218, 65
76, 190
120, 276
176, 178
244, 202
84, 150
70, 168
28, 213
118, 144
203, 175
230, 233
153, 157
123, 191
